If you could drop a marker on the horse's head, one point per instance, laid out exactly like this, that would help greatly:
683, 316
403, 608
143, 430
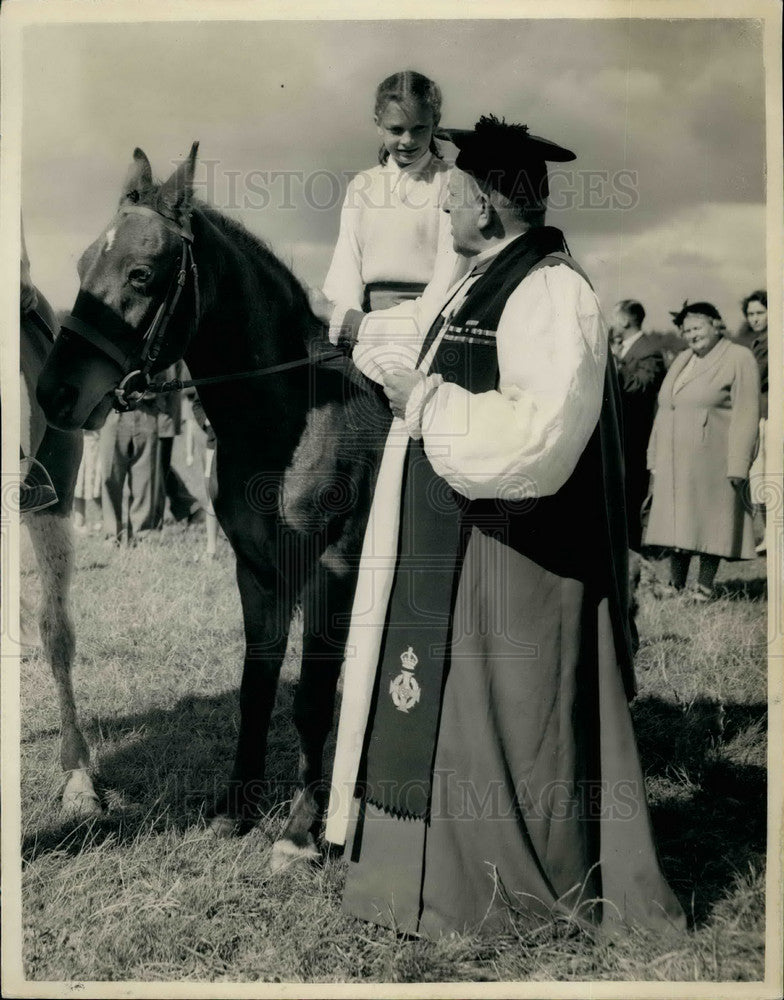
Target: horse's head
137, 302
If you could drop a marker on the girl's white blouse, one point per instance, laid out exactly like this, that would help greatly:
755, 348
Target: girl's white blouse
392, 229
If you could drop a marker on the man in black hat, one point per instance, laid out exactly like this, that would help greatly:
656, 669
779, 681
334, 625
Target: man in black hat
485, 742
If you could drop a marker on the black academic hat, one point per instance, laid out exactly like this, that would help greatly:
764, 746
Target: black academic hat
700, 308
507, 157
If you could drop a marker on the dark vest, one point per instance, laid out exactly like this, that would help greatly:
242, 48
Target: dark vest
580, 531
467, 353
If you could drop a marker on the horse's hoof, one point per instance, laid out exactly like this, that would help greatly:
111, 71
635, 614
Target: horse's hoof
82, 806
223, 826
286, 853
79, 798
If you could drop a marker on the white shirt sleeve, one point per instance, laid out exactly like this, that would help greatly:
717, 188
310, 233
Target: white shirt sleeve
391, 339
343, 284
524, 440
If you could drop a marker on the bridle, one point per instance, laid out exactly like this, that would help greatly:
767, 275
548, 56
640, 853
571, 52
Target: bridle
136, 364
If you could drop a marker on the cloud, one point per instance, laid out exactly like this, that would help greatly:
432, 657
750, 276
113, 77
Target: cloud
633, 83
680, 104
713, 252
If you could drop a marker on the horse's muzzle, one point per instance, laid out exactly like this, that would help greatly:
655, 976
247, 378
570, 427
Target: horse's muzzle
64, 409
75, 387
59, 403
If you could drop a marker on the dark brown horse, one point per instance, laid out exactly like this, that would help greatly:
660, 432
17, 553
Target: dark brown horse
296, 455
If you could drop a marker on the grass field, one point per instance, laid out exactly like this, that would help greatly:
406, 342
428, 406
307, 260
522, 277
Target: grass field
146, 892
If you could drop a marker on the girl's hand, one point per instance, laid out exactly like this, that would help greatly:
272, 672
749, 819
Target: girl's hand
320, 304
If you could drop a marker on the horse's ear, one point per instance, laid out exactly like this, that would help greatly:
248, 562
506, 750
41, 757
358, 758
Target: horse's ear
139, 179
176, 194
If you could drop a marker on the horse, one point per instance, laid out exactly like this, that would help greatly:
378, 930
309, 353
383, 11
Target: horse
50, 531
297, 446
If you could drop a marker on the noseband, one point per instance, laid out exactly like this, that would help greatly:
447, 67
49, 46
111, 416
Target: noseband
136, 364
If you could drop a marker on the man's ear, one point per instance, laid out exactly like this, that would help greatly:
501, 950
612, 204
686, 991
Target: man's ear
486, 210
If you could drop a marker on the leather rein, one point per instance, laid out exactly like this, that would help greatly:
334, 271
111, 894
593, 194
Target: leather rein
135, 383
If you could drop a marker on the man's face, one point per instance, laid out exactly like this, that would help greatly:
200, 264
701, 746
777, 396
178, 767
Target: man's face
619, 321
621, 324
465, 206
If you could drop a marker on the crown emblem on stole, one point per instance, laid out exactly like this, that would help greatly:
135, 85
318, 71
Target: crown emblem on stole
404, 689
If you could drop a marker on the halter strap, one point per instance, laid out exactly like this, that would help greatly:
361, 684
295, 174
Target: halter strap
153, 338
136, 363
135, 383
93, 336
184, 233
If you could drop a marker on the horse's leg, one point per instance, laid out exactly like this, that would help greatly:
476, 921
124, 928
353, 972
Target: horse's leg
635, 575
212, 531
212, 520
53, 545
266, 609
326, 606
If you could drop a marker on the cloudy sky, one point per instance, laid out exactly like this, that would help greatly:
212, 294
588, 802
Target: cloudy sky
665, 200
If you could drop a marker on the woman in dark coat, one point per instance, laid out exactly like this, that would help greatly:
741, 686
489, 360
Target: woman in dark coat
701, 449
754, 335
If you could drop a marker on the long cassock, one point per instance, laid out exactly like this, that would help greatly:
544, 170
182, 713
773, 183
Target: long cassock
486, 761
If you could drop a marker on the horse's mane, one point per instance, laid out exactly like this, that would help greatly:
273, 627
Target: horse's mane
255, 249
282, 290
241, 235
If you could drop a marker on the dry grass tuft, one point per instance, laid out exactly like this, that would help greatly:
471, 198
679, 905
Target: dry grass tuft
146, 893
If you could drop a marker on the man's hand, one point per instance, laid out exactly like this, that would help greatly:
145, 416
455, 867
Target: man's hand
398, 386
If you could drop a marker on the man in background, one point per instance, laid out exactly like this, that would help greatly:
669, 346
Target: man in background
641, 369
183, 505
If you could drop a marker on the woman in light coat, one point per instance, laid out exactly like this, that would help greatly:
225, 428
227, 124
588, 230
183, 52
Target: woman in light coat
701, 448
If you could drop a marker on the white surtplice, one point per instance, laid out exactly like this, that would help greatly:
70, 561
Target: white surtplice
520, 441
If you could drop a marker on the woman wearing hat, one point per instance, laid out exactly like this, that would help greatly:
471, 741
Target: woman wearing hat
701, 449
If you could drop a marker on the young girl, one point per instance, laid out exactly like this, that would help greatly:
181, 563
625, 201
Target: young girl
394, 238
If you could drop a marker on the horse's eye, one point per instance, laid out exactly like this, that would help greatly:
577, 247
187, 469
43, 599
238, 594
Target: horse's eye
139, 276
